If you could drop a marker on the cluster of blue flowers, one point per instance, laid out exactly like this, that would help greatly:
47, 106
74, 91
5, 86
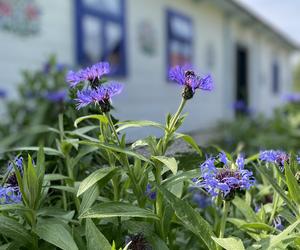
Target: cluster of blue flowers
292, 97
186, 76
150, 193
10, 192
277, 157
230, 178
97, 92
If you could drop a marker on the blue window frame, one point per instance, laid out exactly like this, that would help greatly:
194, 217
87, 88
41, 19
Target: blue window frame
100, 33
179, 39
275, 78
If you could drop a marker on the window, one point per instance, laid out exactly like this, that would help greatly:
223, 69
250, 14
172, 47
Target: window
179, 40
100, 33
275, 78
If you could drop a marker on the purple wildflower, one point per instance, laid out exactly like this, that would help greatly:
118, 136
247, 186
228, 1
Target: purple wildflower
150, 193
225, 180
92, 74
223, 158
12, 178
275, 156
100, 95
56, 96
242, 107
18, 161
185, 75
10, 195
278, 224
292, 97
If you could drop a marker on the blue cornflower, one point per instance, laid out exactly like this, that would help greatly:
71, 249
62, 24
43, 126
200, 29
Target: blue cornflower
149, 192
185, 75
278, 224
57, 96
223, 158
18, 161
101, 95
92, 74
12, 178
10, 195
275, 156
225, 180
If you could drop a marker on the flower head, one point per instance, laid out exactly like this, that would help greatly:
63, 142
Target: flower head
10, 195
101, 95
185, 75
226, 180
2, 93
91, 74
149, 192
275, 156
12, 178
138, 242
278, 223
298, 159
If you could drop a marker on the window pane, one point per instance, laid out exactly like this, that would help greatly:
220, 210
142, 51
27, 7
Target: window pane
180, 53
181, 27
113, 43
106, 6
92, 45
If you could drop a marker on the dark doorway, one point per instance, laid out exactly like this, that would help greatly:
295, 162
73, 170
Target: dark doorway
241, 104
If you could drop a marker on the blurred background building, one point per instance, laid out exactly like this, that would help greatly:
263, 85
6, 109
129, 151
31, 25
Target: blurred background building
249, 59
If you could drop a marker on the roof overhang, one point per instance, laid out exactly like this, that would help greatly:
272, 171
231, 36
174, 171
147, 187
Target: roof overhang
249, 18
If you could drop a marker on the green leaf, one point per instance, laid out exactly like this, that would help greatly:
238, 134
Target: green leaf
278, 189
100, 118
48, 151
190, 218
293, 186
258, 226
116, 149
13, 207
245, 209
89, 198
65, 188
180, 177
55, 177
100, 174
283, 235
14, 230
190, 140
55, 233
230, 243
137, 124
95, 239
170, 162
117, 209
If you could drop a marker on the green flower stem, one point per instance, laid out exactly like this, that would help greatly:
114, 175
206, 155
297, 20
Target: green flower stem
112, 127
226, 206
275, 198
125, 161
170, 128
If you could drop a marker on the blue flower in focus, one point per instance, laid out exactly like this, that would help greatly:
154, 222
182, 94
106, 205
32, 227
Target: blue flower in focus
92, 74
57, 96
275, 156
227, 180
18, 161
101, 95
10, 195
223, 158
185, 75
149, 192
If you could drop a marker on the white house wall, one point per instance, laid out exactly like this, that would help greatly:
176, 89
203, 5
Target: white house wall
148, 95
